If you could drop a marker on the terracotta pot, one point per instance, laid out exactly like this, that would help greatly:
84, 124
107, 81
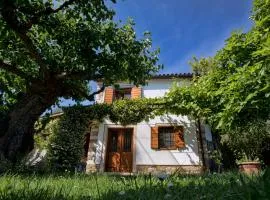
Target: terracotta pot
250, 167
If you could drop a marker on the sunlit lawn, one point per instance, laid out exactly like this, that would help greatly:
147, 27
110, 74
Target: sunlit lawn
102, 186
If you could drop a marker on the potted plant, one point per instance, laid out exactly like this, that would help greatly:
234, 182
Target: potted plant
246, 143
249, 166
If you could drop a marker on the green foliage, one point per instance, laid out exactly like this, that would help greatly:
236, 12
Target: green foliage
66, 135
232, 91
53, 49
133, 111
71, 43
247, 142
216, 156
202, 66
66, 144
43, 136
234, 87
99, 186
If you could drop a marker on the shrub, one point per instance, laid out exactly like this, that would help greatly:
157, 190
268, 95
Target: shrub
247, 142
65, 149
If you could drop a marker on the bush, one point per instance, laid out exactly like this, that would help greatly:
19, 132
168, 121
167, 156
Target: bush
247, 142
65, 149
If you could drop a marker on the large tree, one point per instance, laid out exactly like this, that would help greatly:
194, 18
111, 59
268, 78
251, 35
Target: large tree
52, 49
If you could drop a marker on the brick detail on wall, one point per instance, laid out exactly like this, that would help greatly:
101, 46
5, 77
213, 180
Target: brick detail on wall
136, 92
108, 95
184, 169
90, 163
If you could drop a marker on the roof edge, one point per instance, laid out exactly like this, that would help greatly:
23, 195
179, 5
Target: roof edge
172, 75
166, 76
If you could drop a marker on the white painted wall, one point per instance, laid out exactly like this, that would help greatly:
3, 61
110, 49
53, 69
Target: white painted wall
185, 156
154, 88
144, 155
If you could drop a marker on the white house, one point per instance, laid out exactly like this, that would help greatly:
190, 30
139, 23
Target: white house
166, 143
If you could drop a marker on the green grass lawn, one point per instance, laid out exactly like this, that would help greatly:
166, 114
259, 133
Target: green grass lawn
102, 186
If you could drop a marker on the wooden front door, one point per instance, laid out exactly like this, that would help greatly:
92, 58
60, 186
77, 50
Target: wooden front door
119, 150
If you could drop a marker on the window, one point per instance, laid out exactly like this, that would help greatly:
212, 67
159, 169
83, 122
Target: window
123, 93
166, 139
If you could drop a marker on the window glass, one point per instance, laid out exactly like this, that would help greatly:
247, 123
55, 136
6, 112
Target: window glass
166, 137
127, 140
114, 143
123, 93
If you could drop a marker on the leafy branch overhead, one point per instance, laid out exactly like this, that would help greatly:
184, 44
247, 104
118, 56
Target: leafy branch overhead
53, 49
234, 85
74, 42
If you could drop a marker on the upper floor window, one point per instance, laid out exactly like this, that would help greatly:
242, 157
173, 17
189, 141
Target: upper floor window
111, 94
122, 93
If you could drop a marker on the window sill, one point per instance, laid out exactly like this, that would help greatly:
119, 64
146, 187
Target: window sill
171, 148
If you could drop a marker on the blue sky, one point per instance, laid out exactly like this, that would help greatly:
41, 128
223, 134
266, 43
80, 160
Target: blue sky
186, 28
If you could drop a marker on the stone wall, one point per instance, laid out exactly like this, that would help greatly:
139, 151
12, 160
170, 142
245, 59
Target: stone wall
155, 169
90, 163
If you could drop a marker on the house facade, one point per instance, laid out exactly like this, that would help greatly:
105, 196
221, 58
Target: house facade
166, 143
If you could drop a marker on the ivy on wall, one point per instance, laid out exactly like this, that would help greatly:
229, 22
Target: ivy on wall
65, 148
66, 140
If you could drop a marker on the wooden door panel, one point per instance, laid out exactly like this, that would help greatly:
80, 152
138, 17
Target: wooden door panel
113, 163
119, 150
126, 162
126, 154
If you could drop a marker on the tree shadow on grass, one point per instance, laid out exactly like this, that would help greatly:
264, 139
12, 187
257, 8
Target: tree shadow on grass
211, 186
194, 187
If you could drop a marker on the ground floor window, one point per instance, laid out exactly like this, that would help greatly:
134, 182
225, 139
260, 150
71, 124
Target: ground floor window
166, 138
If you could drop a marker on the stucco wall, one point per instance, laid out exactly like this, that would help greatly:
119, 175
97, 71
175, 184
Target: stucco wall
185, 156
154, 88
143, 154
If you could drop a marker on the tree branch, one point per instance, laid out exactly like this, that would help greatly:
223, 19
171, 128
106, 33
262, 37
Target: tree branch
91, 96
9, 15
33, 52
46, 12
82, 75
64, 5
98, 91
13, 69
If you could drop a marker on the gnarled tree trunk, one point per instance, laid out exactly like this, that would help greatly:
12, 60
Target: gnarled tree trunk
18, 139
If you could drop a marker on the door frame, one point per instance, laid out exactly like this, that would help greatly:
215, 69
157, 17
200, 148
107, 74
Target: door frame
106, 141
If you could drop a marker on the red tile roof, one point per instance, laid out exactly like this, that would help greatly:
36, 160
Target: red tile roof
172, 75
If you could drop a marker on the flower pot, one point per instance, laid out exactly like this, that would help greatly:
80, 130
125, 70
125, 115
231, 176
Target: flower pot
250, 167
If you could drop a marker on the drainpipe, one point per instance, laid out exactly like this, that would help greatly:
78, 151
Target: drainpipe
201, 144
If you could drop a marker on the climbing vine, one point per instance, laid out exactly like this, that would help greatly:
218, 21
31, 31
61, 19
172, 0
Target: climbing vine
66, 143
65, 149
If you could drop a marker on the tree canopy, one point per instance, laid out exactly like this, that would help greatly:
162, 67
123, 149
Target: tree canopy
52, 49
